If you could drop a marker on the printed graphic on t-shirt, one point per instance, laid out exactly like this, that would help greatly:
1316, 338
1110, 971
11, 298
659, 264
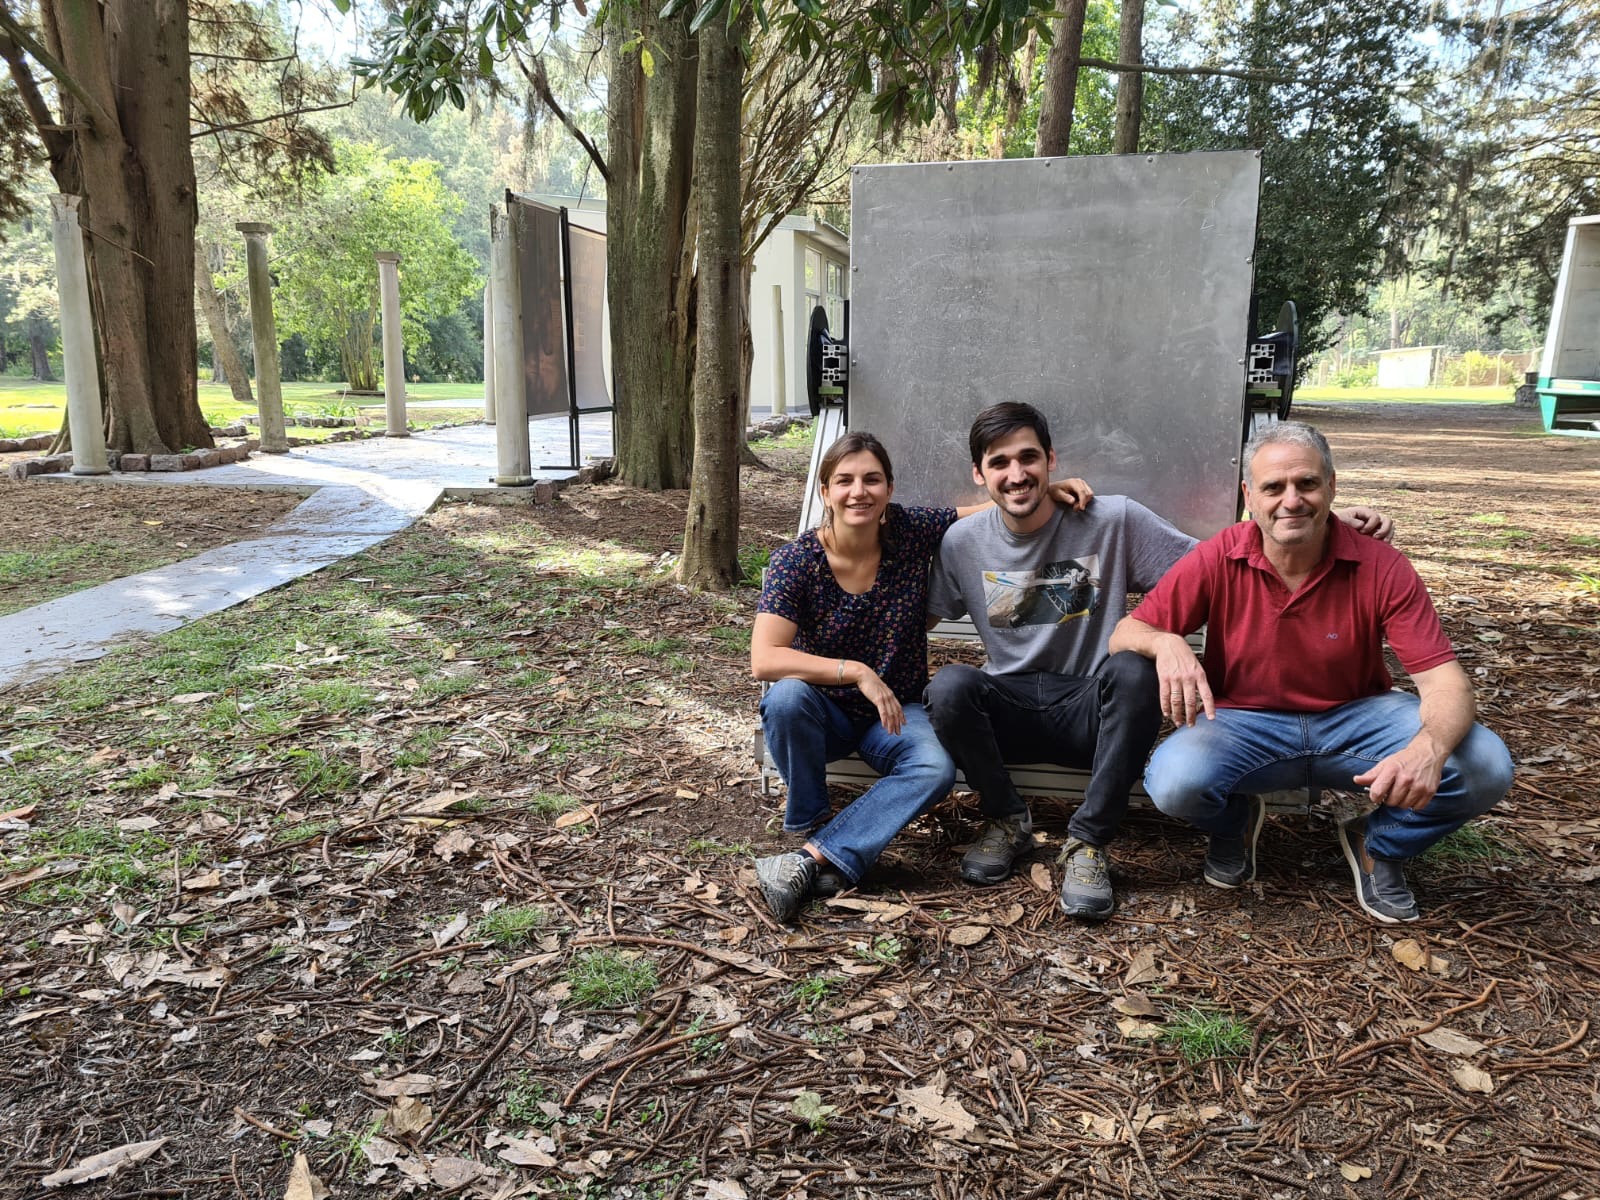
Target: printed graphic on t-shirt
1052, 595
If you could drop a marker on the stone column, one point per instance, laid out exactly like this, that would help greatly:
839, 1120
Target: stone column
780, 373
84, 414
514, 457
394, 353
488, 353
264, 336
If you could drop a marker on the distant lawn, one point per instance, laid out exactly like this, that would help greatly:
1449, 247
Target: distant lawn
29, 407
1504, 394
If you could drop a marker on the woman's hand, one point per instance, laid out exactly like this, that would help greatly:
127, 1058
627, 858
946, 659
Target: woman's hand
1071, 493
890, 715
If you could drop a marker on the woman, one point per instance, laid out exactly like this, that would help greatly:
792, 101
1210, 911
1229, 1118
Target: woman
841, 630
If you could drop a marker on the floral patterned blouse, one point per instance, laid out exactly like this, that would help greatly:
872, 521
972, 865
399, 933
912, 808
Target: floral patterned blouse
885, 626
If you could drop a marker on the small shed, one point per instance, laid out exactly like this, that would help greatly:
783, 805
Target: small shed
1409, 366
1569, 374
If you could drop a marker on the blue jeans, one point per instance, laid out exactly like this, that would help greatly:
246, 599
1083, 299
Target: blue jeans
1202, 773
805, 731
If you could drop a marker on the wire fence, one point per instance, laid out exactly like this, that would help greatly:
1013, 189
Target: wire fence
1444, 368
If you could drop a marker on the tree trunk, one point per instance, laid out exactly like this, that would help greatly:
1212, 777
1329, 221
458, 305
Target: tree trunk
650, 247
40, 351
1061, 82
1130, 84
223, 352
130, 160
711, 533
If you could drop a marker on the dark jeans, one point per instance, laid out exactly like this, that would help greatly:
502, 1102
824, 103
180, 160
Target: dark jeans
1105, 723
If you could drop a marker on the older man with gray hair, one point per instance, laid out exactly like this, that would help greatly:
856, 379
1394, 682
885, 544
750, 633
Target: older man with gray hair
1294, 691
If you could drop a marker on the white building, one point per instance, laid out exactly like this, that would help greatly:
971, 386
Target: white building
803, 263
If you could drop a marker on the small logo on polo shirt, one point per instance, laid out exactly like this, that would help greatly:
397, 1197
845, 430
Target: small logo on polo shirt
1332, 637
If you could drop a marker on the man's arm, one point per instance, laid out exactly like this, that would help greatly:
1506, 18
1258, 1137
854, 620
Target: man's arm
1410, 777
1185, 692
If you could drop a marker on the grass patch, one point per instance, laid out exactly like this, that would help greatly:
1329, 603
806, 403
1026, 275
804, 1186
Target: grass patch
320, 774
1201, 1034
1474, 843
551, 805
510, 927
701, 845
608, 978
338, 695
814, 991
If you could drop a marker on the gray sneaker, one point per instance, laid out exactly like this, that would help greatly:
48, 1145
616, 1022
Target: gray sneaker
1381, 887
786, 882
1231, 861
991, 857
1086, 881
830, 881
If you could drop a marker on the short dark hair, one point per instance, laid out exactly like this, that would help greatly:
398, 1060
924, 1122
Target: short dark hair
998, 420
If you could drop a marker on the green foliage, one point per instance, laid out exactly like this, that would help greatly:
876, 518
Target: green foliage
1361, 374
814, 991
1337, 139
1474, 843
607, 978
884, 949
1201, 1034
328, 275
512, 926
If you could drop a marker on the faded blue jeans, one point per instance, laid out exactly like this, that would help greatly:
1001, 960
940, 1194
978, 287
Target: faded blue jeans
1202, 773
805, 731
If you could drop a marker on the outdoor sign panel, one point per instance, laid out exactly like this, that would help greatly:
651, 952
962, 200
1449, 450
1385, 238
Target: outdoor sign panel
1111, 292
587, 249
544, 355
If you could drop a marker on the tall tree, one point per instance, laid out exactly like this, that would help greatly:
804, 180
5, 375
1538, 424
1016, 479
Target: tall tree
1061, 81
1130, 84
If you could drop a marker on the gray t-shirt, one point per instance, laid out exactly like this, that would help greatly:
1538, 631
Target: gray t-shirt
1048, 601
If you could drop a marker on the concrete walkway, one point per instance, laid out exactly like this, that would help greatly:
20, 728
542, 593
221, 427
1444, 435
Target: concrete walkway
357, 495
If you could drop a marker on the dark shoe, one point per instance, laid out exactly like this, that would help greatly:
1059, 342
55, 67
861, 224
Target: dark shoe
1381, 887
786, 882
1086, 881
830, 881
991, 857
1231, 861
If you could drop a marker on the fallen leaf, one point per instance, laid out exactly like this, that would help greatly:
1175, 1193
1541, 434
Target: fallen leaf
525, 1152
1451, 1042
137, 824
450, 932
203, 882
1138, 1031
930, 1103
721, 1189
408, 1115
104, 1164
1010, 915
25, 813
1470, 1079
1142, 969
1105, 1128
192, 697
456, 841
1353, 1173
967, 935
1135, 1004
1409, 953
1039, 876
380, 1152
686, 794
452, 1172
576, 816
808, 1106
303, 1185
406, 1085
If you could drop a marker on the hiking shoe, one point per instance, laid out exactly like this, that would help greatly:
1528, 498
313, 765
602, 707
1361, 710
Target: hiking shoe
1231, 861
991, 857
1381, 887
1086, 881
830, 881
786, 881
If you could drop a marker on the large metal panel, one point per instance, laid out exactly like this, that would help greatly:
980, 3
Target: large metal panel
587, 252
1111, 292
537, 230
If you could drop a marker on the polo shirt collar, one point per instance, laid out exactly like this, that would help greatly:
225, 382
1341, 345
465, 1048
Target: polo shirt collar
1341, 544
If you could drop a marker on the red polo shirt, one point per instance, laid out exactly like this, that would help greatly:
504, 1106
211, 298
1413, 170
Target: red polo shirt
1306, 651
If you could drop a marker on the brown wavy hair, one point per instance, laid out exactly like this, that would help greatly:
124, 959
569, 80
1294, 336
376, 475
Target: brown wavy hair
850, 443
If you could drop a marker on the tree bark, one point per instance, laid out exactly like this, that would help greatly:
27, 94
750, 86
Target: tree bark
1061, 82
230, 365
650, 247
711, 532
40, 352
129, 159
1130, 84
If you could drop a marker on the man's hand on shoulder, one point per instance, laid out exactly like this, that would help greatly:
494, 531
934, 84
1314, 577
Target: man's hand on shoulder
1367, 520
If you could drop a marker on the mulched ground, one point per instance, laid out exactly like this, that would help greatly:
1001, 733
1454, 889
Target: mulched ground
75, 535
333, 995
